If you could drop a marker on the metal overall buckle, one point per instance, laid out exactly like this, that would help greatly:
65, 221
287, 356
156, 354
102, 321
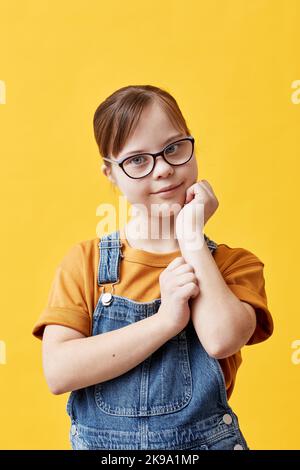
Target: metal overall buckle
107, 297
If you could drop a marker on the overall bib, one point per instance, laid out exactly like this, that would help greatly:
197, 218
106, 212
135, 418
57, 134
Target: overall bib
175, 399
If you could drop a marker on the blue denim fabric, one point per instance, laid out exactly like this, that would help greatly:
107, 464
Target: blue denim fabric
175, 399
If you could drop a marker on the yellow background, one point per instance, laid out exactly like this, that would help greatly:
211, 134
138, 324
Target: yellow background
230, 64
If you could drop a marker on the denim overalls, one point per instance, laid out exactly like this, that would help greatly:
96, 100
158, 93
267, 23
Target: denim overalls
175, 399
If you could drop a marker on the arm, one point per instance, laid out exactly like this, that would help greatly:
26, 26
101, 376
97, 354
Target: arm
72, 361
222, 322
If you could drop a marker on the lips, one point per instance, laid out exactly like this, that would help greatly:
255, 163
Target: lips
167, 188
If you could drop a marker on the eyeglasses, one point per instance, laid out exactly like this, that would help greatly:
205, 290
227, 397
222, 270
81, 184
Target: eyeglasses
138, 166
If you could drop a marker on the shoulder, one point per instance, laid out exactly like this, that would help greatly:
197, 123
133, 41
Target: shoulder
84, 253
228, 257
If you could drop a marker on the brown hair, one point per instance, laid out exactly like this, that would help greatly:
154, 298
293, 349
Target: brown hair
117, 116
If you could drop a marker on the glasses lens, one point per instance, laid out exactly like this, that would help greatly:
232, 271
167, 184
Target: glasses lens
138, 166
179, 152
141, 165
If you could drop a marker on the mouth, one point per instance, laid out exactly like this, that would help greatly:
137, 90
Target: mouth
168, 189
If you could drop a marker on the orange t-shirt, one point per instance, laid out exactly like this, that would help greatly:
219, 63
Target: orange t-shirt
74, 292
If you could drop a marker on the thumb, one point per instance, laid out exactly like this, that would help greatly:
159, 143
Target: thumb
189, 195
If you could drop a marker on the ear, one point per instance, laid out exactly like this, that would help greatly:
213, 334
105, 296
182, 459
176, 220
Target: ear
106, 170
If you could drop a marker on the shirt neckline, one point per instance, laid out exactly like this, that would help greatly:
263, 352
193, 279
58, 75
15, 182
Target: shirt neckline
150, 258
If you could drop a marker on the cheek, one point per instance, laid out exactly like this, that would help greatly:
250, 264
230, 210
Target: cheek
190, 173
195, 170
136, 192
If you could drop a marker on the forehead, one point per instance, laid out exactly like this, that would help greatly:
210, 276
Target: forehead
154, 129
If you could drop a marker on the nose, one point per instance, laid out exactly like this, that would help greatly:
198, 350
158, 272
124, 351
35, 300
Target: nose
162, 168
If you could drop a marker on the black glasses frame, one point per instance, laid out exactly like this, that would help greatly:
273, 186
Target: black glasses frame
121, 162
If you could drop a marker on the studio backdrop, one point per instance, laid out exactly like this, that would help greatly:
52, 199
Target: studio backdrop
233, 67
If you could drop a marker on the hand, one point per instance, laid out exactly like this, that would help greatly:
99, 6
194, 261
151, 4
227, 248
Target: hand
205, 193
178, 283
200, 204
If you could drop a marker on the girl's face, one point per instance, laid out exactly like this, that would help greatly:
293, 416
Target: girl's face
153, 132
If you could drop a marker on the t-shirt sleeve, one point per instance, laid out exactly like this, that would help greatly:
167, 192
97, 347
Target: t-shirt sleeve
244, 276
67, 303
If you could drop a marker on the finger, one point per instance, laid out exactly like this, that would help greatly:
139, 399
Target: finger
184, 268
186, 278
192, 191
189, 194
175, 263
189, 290
196, 292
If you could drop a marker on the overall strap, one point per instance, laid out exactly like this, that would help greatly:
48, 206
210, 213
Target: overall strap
110, 254
211, 244
109, 261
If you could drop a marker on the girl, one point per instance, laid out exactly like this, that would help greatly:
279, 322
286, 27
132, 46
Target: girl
146, 331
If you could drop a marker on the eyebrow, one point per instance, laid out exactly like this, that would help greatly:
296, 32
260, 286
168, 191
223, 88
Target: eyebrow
145, 151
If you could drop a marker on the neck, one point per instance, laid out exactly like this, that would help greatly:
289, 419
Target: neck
152, 234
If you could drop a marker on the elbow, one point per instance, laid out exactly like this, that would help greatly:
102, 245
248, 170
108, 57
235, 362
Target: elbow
214, 345
222, 345
54, 372
216, 351
56, 390
53, 378
219, 349
55, 387
218, 354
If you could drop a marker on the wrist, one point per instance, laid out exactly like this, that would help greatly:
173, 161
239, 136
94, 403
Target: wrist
192, 242
193, 250
166, 322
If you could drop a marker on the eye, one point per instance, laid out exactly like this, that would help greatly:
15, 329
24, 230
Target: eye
137, 160
171, 148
